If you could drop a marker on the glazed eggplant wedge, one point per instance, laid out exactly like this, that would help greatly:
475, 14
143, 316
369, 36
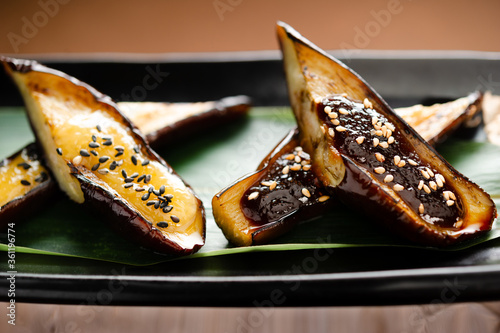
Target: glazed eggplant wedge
31, 185
371, 159
283, 191
99, 158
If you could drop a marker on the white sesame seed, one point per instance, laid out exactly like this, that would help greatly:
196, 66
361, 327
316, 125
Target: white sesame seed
441, 177
306, 167
388, 178
298, 148
380, 157
458, 224
377, 126
401, 163
397, 159
323, 129
374, 120
286, 170
323, 198
340, 129
390, 126
273, 185
77, 160
297, 159
450, 202
384, 144
367, 103
439, 182
331, 132
433, 185
290, 157
452, 196
296, 167
390, 140
375, 142
317, 100
379, 133
427, 189
412, 162
421, 209
253, 195
360, 139
305, 162
425, 174
333, 115
343, 111
446, 195
429, 171
421, 185
306, 192
398, 187
379, 170
328, 109
335, 122
267, 183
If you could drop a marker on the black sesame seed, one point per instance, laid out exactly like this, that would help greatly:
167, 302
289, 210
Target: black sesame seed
145, 162
107, 143
39, 179
59, 151
94, 145
113, 165
25, 182
152, 202
120, 153
107, 138
136, 149
103, 171
150, 190
44, 175
134, 175
163, 204
94, 153
24, 165
147, 179
84, 153
103, 159
175, 219
94, 138
161, 198
129, 180
169, 196
145, 197
120, 162
168, 209
140, 189
156, 192
162, 189
162, 224
128, 185
141, 178
157, 205
98, 128
124, 173
95, 167
119, 148
134, 159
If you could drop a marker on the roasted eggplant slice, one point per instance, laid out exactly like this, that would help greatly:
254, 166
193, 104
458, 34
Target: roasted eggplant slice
370, 158
177, 119
278, 202
98, 157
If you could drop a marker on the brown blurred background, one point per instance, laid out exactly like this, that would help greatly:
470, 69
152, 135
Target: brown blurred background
154, 26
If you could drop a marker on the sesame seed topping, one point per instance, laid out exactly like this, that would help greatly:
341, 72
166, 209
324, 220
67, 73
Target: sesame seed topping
323, 198
145, 162
306, 192
174, 219
162, 189
273, 185
331, 132
290, 157
427, 189
367, 103
59, 151
380, 157
151, 189
333, 115
128, 185
124, 173
379, 133
323, 129
388, 178
162, 224
374, 121
157, 204
384, 144
139, 189
134, 175
328, 109
151, 202
103, 159
398, 187
25, 182
375, 142
379, 170
84, 153
77, 160
425, 174
390, 126
441, 177
421, 208
439, 182
335, 122
146, 197
94, 138
147, 179
450, 202
103, 171
458, 224
297, 159
412, 162
343, 111
99, 128
360, 139
113, 165
169, 196
421, 185
285, 170
429, 171
397, 159
141, 178
267, 183
119, 148
401, 163
134, 159
96, 166
107, 143
128, 180
24, 165
298, 148
433, 185
93, 152
168, 209
306, 167
390, 140
253, 195
296, 167
94, 145
452, 196
120, 153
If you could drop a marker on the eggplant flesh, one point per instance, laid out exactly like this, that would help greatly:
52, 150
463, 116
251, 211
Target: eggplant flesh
177, 120
373, 160
99, 158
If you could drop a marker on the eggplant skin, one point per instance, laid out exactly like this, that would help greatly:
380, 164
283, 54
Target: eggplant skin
32, 201
118, 212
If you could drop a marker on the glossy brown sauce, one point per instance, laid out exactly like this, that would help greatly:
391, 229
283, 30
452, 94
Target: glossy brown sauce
359, 122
